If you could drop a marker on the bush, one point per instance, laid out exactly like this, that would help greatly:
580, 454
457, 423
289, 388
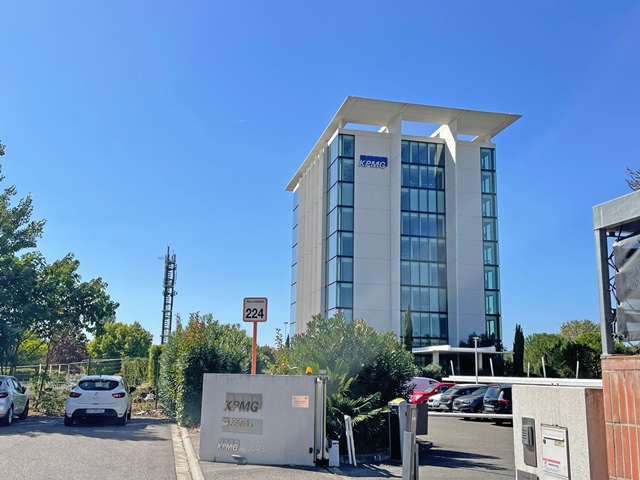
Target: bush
153, 369
203, 346
433, 370
365, 370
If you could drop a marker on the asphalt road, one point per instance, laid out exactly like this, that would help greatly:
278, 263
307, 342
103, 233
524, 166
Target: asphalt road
461, 450
40, 448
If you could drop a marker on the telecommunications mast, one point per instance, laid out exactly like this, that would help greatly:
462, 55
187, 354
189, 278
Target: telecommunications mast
168, 291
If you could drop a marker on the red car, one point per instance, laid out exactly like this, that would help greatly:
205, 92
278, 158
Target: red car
421, 396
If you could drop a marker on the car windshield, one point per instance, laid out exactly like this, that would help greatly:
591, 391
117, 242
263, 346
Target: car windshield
98, 384
480, 391
430, 388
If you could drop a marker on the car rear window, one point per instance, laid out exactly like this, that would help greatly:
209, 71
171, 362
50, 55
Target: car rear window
98, 384
493, 392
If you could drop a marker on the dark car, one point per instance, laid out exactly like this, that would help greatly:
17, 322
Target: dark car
471, 403
498, 400
446, 401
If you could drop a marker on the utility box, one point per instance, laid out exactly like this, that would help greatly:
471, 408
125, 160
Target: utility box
555, 457
423, 419
397, 426
334, 453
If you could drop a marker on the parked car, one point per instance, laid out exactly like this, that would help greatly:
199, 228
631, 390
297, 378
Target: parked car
446, 401
13, 400
498, 400
104, 396
421, 396
471, 403
420, 383
433, 400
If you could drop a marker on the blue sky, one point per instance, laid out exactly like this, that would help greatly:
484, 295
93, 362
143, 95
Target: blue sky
138, 125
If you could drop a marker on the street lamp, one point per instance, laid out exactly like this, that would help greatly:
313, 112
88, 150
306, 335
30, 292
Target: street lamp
475, 346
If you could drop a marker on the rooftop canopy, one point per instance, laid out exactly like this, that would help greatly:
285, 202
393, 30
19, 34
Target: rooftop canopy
382, 113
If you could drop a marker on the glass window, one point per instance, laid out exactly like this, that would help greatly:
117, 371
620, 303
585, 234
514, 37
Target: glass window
405, 151
490, 229
405, 248
405, 199
345, 269
424, 299
440, 155
294, 254
346, 194
487, 159
491, 280
345, 295
422, 153
490, 253
295, 217
332, 270
492, 302
345, 218
332, 221
423, 203
405, 272
432, 154
345, 244
294, 273
425, 279
332, 245
434, 300
293, 292
331, 296
346, 169
415, 152
292, 314
415, 298
332, 173
294, 235
488, 182
489, 205
332, 197
295, 198
406, 175
333, 149
347, 146
414, 174
440, 203
415, 273
415, 248
405, 297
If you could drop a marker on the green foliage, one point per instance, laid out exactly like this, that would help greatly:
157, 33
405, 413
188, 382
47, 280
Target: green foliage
365, 370
484, 340
407, 334
134, 370
634, 180
586, 349
572, 329
518, 352
433, 370
203, 346
549, 345
121, 340
47, 400
280, 363
153, 368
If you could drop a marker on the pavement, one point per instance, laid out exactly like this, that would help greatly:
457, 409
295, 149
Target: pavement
454, 456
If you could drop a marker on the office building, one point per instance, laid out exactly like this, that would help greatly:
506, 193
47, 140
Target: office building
396, 206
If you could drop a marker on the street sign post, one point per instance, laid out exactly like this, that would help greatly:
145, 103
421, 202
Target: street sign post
254, 309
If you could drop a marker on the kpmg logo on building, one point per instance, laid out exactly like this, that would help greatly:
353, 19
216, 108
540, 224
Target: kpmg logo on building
373, 162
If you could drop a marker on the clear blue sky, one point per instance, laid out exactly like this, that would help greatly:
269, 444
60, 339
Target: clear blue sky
137, 125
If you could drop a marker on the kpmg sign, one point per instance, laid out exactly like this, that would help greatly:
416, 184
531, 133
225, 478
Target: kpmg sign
373, 162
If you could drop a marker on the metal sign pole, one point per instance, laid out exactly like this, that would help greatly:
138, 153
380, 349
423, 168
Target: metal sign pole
254, 348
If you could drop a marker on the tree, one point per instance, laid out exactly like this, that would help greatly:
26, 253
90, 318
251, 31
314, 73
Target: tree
518, 352
119, 340
634, 181
547, 345
407, 336
572, 329
586, 349
69, 346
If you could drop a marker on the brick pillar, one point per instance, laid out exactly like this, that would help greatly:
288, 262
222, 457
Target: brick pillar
621, 391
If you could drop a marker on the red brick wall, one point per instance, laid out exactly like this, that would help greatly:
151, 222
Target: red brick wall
621, 389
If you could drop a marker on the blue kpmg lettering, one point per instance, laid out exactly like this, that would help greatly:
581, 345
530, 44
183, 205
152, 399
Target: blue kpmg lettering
373, 162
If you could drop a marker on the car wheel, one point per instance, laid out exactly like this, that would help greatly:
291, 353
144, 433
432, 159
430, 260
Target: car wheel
122, 421
25, 412
129, 416
68, 422
6, 421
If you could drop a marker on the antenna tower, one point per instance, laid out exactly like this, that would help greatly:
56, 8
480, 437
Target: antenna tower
168, 291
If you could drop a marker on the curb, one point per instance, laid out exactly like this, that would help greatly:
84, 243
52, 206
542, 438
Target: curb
192, 459
179, 455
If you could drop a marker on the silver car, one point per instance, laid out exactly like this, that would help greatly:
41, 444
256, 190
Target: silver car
13, 400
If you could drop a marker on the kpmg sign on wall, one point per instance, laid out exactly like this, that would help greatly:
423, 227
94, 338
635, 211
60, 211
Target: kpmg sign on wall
373, 162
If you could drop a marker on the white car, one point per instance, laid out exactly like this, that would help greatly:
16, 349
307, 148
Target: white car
13, 400
104, 396
433, 402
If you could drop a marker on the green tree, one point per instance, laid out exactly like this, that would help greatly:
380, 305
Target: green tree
634, 180
153, 369
586, 349
547, 345
118, 340
518, 352
204, 346
407, 336
572, 329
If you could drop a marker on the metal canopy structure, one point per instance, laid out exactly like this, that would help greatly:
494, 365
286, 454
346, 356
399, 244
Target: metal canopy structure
619, 219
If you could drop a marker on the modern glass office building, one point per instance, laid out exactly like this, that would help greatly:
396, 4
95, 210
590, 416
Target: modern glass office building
384, 219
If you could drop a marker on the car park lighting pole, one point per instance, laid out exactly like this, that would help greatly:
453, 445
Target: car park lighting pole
475, 346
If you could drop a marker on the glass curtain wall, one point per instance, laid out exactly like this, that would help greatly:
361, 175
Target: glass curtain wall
423, 267
339, 242
294, 266
490, 243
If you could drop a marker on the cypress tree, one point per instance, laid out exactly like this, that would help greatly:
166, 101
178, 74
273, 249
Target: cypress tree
407, 336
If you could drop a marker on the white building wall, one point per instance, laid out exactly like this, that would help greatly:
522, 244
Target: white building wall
310, 243
372, 238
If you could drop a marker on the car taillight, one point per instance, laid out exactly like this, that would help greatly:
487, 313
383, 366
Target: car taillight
118, 395
75, 394
501, 398
4, 394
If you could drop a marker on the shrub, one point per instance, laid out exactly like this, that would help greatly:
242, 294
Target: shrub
433, 370
203, 346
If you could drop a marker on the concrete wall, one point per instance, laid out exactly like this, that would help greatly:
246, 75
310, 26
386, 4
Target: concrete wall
267, 419
580, 410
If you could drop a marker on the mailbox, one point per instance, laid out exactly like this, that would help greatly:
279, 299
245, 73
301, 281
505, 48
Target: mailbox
555, 451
